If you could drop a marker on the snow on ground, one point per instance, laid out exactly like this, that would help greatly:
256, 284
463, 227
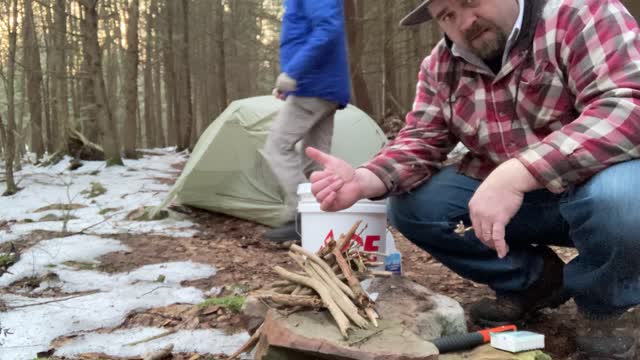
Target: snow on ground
49, 253
128, 187
34, 322
115, 344
95, 300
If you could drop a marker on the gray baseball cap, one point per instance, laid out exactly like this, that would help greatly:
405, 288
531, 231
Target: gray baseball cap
418, 15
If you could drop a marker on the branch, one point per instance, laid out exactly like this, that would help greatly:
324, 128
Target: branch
325, 294
54, 301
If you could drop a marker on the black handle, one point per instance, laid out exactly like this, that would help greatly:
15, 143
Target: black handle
458, 342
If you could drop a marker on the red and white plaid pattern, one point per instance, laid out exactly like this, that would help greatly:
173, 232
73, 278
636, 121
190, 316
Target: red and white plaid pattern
577, 111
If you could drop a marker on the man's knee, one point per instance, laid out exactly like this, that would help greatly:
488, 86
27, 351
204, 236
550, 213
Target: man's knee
441, 200
408, 209
608, 203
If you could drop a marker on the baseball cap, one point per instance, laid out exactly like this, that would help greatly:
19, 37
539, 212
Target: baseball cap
418, 15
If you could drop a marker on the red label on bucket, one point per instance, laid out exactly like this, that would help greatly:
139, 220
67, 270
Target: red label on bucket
370, 242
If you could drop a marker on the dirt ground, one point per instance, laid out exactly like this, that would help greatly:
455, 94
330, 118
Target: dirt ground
244, 263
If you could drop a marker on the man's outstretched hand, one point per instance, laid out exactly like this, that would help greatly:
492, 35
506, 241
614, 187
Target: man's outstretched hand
339, 185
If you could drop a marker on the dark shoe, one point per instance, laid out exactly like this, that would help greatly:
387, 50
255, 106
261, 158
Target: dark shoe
605, 339
280, 234
546, 292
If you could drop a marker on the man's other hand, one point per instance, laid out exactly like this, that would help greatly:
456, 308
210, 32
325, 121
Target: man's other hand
284, 83
496, 202
277, 94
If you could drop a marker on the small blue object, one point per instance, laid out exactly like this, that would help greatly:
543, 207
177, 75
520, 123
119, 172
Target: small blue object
393, 263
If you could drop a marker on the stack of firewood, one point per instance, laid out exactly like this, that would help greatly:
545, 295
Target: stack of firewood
329, 279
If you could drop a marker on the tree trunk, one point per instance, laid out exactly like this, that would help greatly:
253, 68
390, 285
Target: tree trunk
157, 79
47, 25
88, 110
389, 101
61, 107
353, 14
221, 64
110, 141
149, 128
34, 79
130, 85
170, 76
9, 143
111, 49
187, 100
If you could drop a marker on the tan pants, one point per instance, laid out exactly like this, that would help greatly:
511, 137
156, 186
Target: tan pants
302, 119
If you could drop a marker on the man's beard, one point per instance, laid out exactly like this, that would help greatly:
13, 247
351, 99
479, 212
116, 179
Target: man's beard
487, 48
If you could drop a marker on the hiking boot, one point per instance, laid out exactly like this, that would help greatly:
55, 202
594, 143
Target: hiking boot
282, 233
605, 338
516, 308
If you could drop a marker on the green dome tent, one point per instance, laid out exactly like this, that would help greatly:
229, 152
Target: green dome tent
227, 172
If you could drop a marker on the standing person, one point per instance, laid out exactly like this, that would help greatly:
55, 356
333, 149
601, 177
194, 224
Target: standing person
314, 83
545, 94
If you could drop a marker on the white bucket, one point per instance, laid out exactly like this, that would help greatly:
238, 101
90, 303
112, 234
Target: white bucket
318, 226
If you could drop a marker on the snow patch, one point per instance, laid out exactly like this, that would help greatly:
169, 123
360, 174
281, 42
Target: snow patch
115, 344
34, 323
128, 187
39, 259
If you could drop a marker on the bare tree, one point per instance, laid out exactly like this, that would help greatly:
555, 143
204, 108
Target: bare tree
33, 72
184, 66
170, 81
130, 84
147, 73
221, 65
60, 97
353, 12
157, 80
9, 134
109, 130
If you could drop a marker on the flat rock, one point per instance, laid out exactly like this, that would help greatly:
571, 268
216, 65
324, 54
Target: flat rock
411, 315
314, 335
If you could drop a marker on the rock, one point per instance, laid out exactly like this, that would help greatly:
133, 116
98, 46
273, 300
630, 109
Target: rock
253, 313
313, 335
428, 314
410, 316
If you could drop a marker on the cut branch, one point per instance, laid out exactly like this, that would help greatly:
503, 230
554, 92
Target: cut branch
338, 315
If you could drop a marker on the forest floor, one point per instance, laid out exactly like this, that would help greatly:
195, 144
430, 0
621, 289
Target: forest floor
127, 290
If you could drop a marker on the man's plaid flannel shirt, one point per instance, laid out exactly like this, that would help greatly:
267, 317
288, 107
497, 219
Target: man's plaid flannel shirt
575, 71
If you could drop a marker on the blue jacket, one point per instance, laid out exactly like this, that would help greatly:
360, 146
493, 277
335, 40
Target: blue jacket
313, 49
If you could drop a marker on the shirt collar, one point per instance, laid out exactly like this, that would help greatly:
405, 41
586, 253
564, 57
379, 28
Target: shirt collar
513, 37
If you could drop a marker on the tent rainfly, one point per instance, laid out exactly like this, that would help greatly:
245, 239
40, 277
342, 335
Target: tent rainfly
227, 172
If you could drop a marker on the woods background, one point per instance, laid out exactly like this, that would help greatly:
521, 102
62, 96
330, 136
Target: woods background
96, 79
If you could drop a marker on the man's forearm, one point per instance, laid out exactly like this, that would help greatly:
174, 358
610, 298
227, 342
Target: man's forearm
370, 184
518, 174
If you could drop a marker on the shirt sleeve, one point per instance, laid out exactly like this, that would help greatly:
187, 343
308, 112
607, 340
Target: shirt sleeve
599, 48
328, 25
421, 146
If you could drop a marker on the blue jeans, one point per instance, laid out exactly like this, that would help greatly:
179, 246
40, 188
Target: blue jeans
598, 218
